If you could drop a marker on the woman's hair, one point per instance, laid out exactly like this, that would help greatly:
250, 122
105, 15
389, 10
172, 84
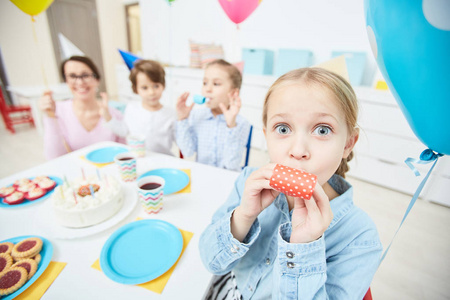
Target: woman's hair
82, 59
153, 69
233, 72
337, 85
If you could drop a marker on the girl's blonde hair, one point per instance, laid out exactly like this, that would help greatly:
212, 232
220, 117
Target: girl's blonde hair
235, 74
337, 85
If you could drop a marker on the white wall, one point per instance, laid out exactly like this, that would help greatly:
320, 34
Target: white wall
321, 26
23, 60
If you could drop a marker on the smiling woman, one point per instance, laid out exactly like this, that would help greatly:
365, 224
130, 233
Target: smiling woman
79, 122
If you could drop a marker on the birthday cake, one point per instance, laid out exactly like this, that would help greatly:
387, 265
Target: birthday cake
86, 202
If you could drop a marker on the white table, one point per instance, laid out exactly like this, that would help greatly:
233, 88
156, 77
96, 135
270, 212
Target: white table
189, 211
33, 93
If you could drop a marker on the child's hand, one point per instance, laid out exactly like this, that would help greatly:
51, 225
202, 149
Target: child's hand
183, 111
257, 196
232, 111
47, 104
103, 105
310, 218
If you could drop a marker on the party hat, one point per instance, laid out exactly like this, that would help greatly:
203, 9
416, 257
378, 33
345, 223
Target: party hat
68, 49
129, 58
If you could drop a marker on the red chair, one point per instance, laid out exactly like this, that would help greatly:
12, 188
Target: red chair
368, 295
13, 115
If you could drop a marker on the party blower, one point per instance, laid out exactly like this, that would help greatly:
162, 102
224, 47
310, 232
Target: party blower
199, 99
293, 182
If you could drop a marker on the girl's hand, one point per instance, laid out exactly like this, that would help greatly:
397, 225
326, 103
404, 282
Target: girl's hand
310, 218
232, 111
257, 196
47, 104
103, 105
183, 111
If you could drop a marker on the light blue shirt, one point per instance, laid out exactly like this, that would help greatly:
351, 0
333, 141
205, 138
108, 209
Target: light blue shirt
339, 265
209, 136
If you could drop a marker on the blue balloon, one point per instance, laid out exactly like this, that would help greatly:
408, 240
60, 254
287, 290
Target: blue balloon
129, 58
411, 43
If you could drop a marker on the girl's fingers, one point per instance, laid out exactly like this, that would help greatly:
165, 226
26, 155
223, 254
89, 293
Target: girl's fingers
264, 172
311, 206
259, 185
183, 97
299, 202
322, 202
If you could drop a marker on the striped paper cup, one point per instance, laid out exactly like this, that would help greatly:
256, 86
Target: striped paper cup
136, 142
126, 164
151, 192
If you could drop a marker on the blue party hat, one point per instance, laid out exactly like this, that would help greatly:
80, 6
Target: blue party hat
129, 58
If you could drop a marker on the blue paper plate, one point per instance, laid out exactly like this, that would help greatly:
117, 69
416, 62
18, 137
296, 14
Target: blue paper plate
141, 251
28, 202
104, 155
46, 256
176, 180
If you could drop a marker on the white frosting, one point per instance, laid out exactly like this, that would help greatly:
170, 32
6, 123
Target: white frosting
88, 210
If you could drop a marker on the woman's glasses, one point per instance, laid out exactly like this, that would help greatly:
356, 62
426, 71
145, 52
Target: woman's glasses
72, 78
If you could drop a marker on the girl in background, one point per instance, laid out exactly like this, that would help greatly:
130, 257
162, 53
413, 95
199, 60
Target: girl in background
217, 133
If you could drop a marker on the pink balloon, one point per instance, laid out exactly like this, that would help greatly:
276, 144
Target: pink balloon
239, 10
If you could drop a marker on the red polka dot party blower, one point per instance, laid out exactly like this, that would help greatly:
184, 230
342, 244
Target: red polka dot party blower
293, 182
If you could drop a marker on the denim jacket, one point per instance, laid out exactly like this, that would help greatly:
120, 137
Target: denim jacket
339, 265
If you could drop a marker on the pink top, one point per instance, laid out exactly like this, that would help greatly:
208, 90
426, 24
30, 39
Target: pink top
68, 126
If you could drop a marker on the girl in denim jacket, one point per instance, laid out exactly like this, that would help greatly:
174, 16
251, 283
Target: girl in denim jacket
282, 247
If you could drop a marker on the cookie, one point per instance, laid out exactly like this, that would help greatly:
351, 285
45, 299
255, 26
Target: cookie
12, 280
21, 181
293, 182
6, 247
38, 179
14, 198
37, 258
28, 264
35, 193
5, 262
6, 191
27, 248
47, 184
26, 187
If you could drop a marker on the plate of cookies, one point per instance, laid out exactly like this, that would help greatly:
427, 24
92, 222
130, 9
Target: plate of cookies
26, 191
22, 260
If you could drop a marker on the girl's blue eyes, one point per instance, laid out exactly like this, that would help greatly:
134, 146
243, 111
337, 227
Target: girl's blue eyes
322, 130
283, 129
